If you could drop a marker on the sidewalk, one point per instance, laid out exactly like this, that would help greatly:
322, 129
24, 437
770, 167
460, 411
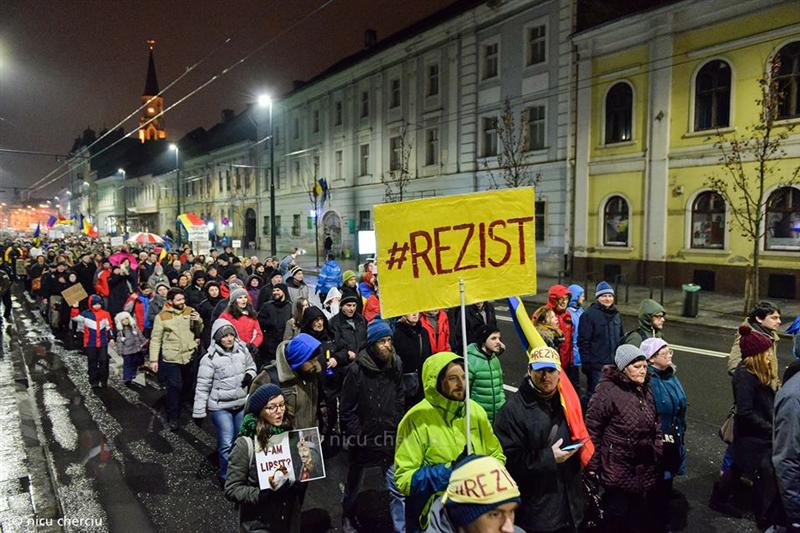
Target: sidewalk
715, 309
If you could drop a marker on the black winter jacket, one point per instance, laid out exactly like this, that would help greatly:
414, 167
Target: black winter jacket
599, 334
752, 427
119, 288
372, 404
272, 318
348, 338
552, 494
413, 345
474, 324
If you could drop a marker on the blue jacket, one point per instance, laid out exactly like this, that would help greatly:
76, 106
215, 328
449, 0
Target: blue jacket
330, 275
575, 311
599, 335
670, 400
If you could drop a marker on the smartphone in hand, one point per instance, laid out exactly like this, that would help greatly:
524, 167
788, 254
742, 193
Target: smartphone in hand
573, 446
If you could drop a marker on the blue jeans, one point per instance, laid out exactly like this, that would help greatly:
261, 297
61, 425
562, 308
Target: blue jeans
131, 364
174, 375
397, 503
227, 425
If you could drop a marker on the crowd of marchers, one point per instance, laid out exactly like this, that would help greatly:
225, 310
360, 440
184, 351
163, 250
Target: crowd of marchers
592, 438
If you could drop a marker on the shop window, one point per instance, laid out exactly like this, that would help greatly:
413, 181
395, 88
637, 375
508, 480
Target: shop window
616, 220
708, 221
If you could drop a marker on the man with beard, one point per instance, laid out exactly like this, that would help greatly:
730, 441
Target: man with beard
549, 476
174, 337
371, 407
432, 436
272, 318
296, 369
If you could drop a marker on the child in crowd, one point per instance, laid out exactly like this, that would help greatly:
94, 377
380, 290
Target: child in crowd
130, 344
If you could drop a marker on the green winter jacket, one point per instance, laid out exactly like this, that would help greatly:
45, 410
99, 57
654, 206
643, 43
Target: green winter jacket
432, 435
647, 309
485, 381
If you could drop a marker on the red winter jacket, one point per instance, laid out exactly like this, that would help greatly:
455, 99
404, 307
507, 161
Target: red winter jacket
564, 323
372, 308
246, 327
440, 340
101, 287
97, 328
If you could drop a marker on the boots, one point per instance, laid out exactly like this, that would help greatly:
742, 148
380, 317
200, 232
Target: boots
722, 502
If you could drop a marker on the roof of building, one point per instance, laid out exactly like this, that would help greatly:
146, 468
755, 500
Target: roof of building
151, 84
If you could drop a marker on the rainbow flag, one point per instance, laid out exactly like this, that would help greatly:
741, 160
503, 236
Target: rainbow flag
51, 221
190, 220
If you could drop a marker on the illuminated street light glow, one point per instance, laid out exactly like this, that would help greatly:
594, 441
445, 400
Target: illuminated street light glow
264, 100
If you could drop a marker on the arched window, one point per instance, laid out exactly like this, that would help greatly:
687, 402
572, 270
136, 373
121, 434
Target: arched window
712, 96
788, 79
783, 219
619, 113
708, 221
615, 222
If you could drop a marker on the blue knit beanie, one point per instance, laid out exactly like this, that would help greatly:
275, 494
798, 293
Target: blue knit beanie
300, 349
261, 397
603, 288
376, 330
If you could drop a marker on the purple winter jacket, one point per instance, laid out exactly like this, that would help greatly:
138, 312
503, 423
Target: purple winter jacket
623, 424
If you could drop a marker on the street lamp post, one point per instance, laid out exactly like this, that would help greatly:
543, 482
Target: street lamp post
266, 101
174, 147
124, 204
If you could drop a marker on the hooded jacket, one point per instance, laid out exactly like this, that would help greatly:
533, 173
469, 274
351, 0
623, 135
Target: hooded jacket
575, 311
247, 328
486, 381
670, 401
372, 403
97, 328
348, 337
431, 436
137, 305
194, 293
206, 310
624, 427
647, 309
220, 375
330, 275
440, 338
174, 336
552, 493
564, 323
272, 318
599, 335
155, 307
130, 340
254, 292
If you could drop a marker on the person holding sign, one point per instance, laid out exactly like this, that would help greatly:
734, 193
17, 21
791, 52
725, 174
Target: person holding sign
276, 506
432, 436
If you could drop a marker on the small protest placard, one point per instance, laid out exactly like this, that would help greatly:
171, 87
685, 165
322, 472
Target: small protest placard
22, 267
290, 457
74, 294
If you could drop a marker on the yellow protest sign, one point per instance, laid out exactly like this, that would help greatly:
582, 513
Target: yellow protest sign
424, 247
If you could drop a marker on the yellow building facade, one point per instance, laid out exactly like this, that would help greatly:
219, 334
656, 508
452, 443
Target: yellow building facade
654, 90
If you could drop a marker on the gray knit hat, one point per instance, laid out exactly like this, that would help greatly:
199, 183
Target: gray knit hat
235, 293
627, 354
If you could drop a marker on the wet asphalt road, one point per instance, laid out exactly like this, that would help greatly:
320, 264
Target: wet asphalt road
116, 463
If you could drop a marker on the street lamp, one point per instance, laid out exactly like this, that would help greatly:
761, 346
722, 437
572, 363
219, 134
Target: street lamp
174, 148
266, 101
124, 204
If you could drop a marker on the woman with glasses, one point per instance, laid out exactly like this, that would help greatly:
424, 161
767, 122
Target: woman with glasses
670, 401
624, 428
276, 507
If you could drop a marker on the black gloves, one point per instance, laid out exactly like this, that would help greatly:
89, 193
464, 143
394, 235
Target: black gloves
253, 349
247, 380
198, 421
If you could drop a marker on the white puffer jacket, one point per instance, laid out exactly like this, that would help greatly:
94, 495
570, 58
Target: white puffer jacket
219, 378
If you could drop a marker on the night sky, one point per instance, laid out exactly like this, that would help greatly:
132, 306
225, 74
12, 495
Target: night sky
70, 64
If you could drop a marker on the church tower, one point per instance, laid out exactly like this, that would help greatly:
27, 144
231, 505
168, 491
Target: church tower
154, 104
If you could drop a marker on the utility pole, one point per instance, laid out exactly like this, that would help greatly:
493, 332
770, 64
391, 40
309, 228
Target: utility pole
174, 147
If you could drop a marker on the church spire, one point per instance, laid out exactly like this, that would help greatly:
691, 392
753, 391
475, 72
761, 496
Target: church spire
151, 123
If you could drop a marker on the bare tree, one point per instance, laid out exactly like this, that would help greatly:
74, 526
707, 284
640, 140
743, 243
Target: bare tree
396, 181
514, 168
750, 161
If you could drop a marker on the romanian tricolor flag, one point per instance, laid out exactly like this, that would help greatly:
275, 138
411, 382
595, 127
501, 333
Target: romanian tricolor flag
62, 220
190, 220
569, 398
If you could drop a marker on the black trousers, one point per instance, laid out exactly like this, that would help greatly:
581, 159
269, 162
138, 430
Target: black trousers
97, 360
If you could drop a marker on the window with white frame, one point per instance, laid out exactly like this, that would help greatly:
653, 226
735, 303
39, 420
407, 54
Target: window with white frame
432, 146
708, 221
712, 96
788, 79
488, 136
616, 220
337, 113
364, 159
433, 79
364, 104
338, 170
536, 127
536, 40
491, 56
394, 93
395, 152
619, 113
783, 219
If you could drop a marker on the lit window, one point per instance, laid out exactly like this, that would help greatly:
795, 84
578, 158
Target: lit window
783, 219
708, 221
615, 222
788, 79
